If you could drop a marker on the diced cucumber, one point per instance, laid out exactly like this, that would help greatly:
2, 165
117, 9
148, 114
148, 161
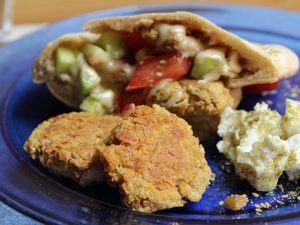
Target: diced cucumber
206, 62
88, 79
206, 66
106, 96
95, 55
76, 67
64, 58
100, 101
113, 43
93, 105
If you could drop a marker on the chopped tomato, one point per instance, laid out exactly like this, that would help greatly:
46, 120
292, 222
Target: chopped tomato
259, 88
127, 99
136, 97
135, 40
154, 69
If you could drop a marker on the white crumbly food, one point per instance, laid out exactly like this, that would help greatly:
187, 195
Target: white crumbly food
293, 165
240, 130
260, 143
230, 122
264, 164
291, 125
291, 120
244, 135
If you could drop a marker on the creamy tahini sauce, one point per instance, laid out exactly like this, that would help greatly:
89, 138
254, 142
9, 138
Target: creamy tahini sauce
176, 34
175, 98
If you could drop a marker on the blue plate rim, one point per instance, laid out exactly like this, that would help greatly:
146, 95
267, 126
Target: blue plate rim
135, 8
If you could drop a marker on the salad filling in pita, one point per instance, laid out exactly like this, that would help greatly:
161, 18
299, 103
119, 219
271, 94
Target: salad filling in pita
128, 56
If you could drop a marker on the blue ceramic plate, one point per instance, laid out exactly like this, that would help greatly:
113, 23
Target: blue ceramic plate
31, 189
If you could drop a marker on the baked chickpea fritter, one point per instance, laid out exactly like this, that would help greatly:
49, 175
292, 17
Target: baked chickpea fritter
155, 160
200, 104
68, 145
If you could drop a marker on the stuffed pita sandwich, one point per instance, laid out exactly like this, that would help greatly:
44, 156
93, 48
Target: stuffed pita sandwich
178, 60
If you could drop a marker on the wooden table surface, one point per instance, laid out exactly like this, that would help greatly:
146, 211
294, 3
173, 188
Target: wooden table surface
44, 11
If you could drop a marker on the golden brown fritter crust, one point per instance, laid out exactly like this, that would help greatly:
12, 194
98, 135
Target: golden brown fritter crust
200, 104
68, 145
156, 160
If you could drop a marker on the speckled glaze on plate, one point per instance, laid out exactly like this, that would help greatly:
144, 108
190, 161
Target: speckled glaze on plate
26, 186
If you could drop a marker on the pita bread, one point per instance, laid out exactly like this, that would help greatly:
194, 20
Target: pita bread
267, 63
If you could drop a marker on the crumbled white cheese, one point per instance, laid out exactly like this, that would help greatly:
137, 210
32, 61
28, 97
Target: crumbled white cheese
228, 129
291, 120
263, 165
255, 142
293, 164
240, 130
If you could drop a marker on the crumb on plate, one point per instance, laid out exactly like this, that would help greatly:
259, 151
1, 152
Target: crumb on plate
236, 202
